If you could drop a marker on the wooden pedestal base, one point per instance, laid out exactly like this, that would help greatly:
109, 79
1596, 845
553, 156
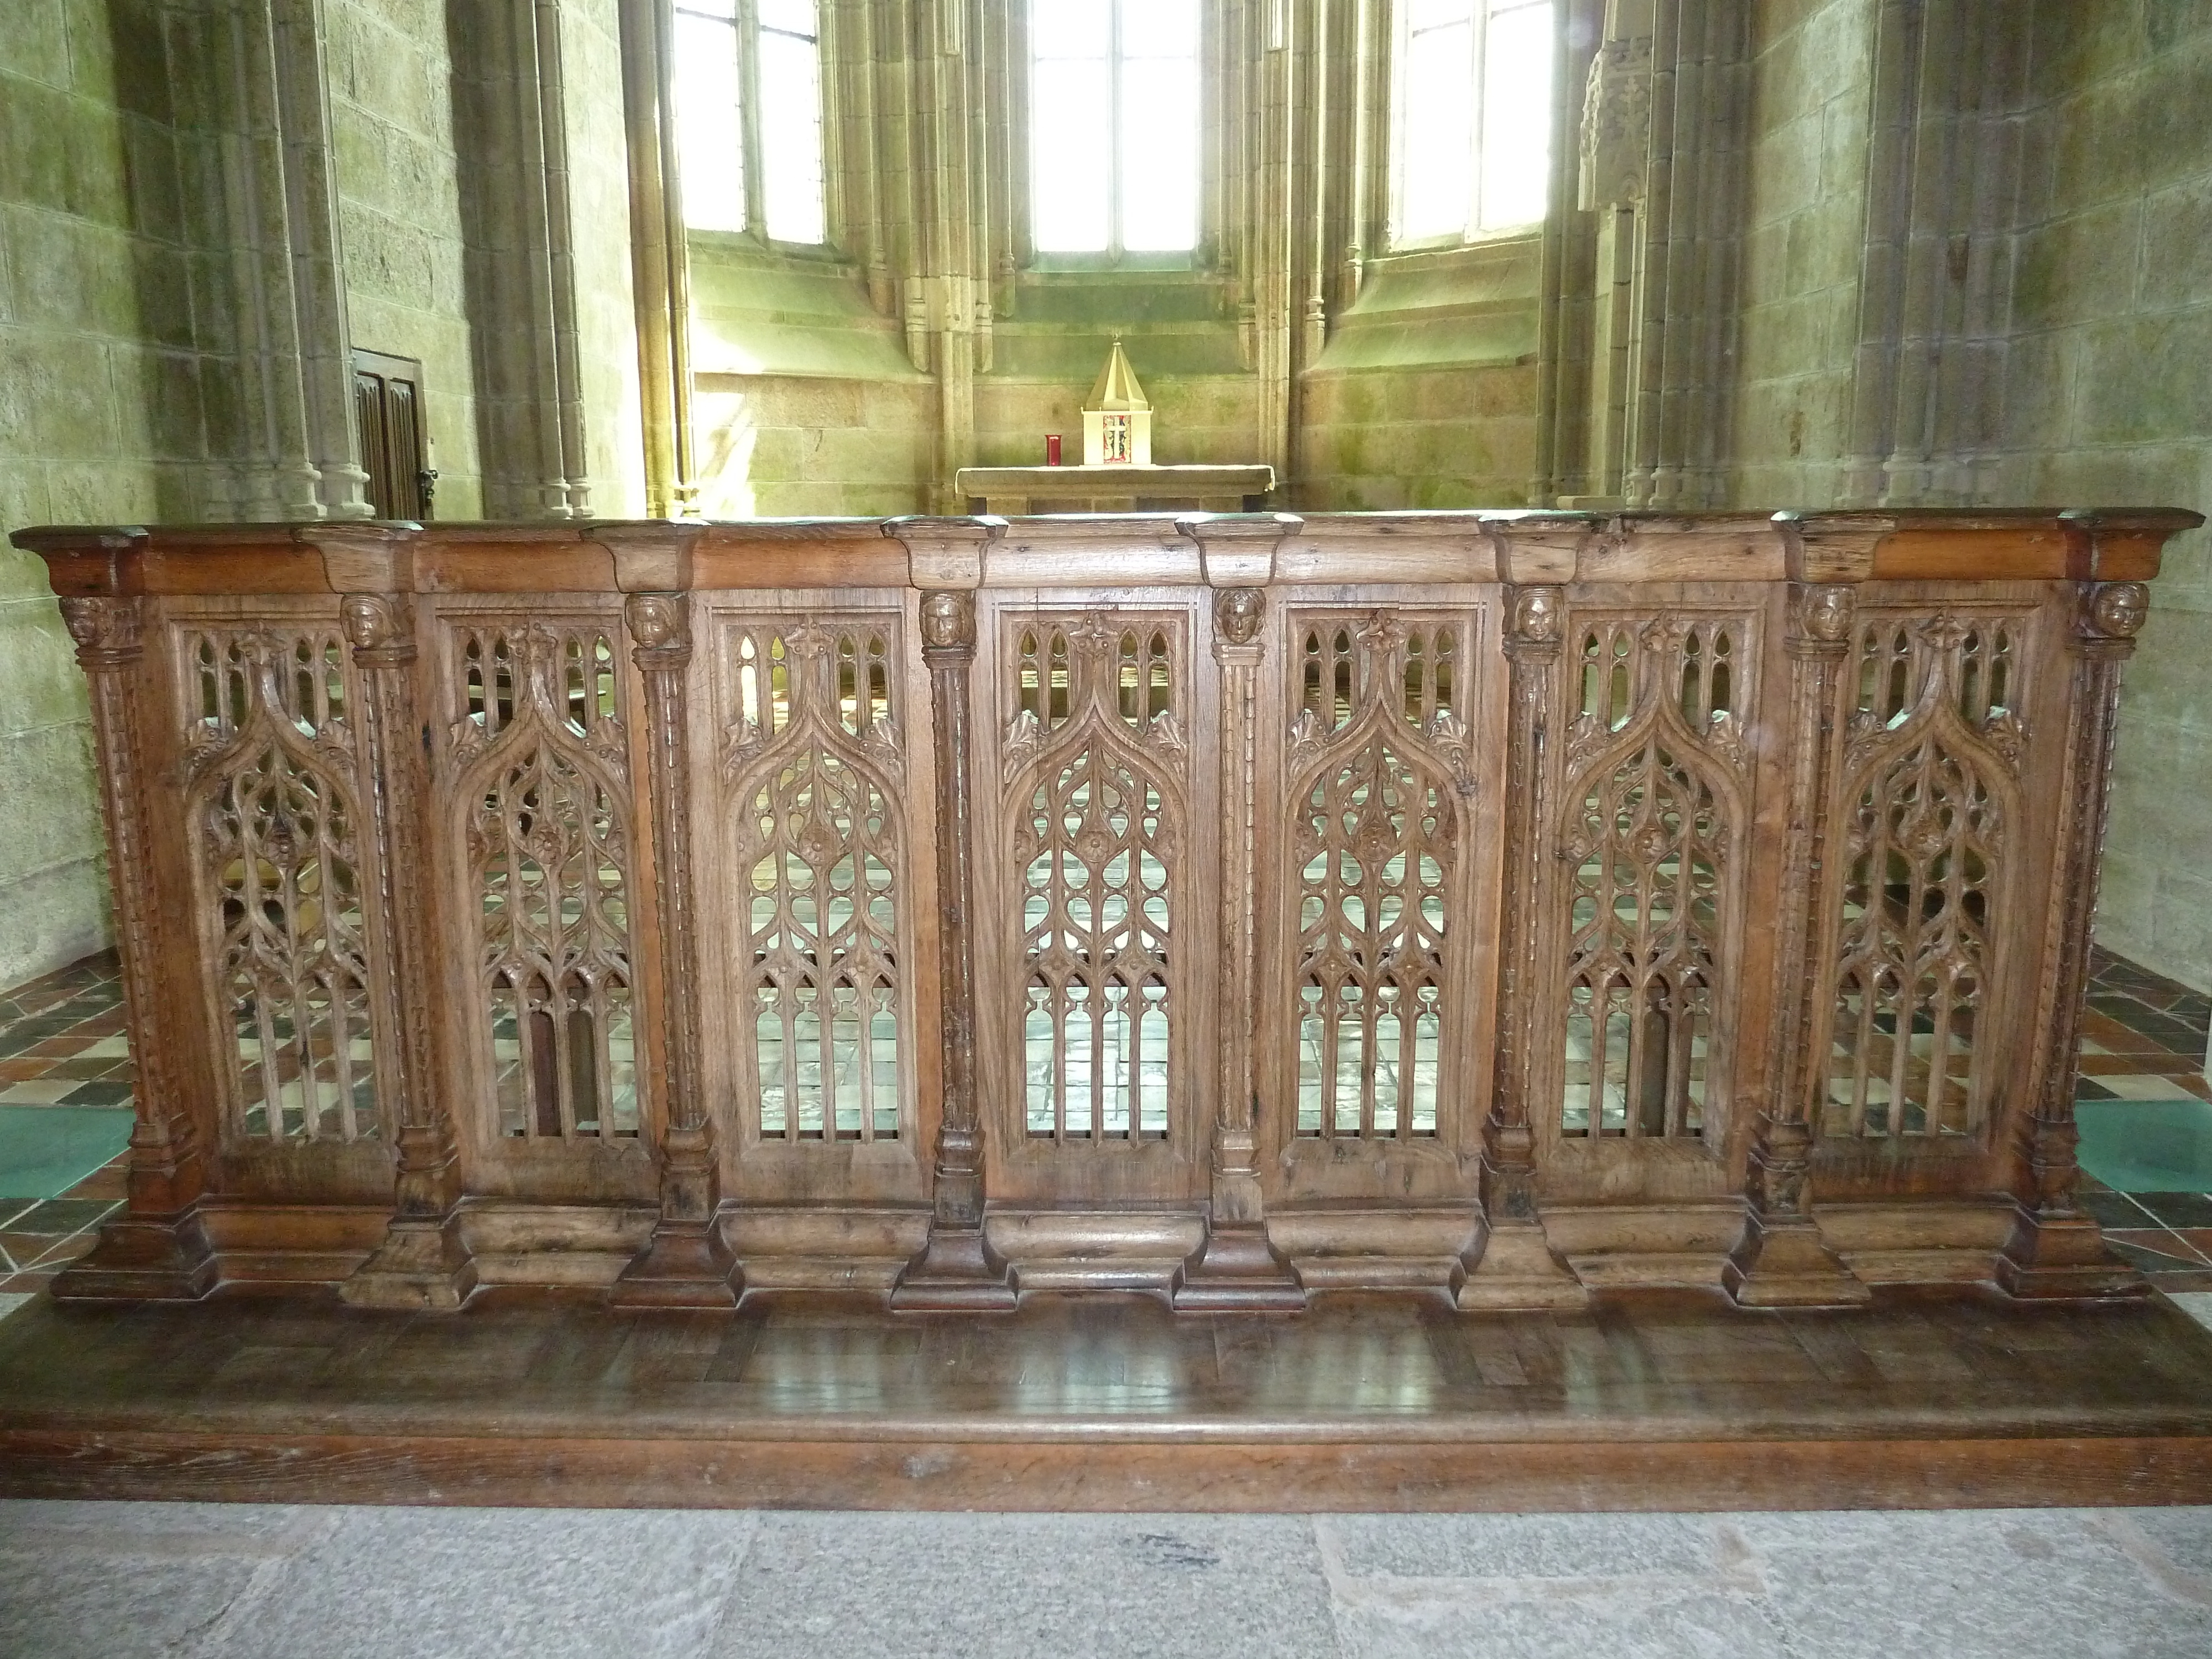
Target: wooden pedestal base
957, 1271
420, 1264
687, 1265
2062, 1258
1237, 1270
1514, 1267
143, 1259
1787, 1266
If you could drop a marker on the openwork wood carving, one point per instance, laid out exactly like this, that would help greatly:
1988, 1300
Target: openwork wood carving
1095, 757
1654, 813
1928, 807
1381, 788
816, 749
541, 736
277, 848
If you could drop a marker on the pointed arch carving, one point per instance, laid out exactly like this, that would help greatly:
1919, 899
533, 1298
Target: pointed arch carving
1380, 788
814, 750
1655, 806
1097, 812
1929, 802
545, 826
273, 810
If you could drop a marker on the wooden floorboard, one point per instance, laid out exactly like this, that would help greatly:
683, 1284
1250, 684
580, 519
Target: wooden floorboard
1675, 1401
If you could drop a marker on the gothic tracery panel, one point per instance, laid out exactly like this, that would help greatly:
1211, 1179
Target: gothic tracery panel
278, 845
1649, 827
815, 749
1934, 737
1378, 741
1095, 755
540, 741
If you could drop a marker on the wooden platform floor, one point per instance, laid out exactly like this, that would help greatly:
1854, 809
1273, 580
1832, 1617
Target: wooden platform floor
1666, 1403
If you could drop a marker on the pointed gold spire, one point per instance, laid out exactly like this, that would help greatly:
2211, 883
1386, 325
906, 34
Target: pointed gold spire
1117, 387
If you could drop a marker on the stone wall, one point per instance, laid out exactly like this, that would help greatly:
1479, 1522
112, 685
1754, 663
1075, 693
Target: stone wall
400, 225
1805, 208
97, 413
2109, 401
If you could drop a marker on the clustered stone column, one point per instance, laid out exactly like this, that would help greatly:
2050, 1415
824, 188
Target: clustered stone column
688, 1264
422, 1262
1235, 1266
159, 1249
1781, 1260
2055, 1249
1512, 1263
957, 1268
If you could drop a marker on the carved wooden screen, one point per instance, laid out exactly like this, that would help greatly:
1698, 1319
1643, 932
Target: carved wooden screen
1379, 792
1929, 804
278, 837
538, 740
1094, 761
814, 750
1653, 813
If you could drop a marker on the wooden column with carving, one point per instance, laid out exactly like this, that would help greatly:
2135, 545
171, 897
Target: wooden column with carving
957, 1268
422, 1262
159, 1248
1781, 1260
1237, 1267
2056, 1249
687, 1263
1513, 1264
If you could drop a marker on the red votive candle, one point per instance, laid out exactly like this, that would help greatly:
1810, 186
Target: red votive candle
1052, 449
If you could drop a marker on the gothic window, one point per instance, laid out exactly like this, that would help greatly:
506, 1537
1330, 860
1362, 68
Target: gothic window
815, 753
749, 117
1934, 732
1647, 843
277, 850
1114, 126
1095, 747
1471, 150
540, 738
1374, 841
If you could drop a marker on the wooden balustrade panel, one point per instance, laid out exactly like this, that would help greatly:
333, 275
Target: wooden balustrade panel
1513, 905
814, 839
547, 861
271, 785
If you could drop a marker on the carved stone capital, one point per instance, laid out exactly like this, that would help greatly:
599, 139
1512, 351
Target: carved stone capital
2114, 610
107, 630
1535, 616
948, 624
1237, 614
661, 625
379, 628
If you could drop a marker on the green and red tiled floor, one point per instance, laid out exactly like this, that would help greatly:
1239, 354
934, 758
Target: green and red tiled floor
61, 1043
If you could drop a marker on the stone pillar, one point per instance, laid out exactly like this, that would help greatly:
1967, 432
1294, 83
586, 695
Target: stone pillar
1512, 1264
159, 1249
1235, 1266
2056, 1249
956, 1269
687, 1264
421, 1262
1781, 1260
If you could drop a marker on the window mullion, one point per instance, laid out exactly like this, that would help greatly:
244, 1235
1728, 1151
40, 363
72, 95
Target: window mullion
1480, 55
749, 78
1114, 180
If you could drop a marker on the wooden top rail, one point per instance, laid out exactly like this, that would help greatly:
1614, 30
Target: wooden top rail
1243, 549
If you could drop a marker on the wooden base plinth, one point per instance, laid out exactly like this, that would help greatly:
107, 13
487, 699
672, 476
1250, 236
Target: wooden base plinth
143, 1259
1650, 1401
1516, 1269
1238, 1271
1789, 1267
685, 1266
957, 1271
420, 1264
2063, 1258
